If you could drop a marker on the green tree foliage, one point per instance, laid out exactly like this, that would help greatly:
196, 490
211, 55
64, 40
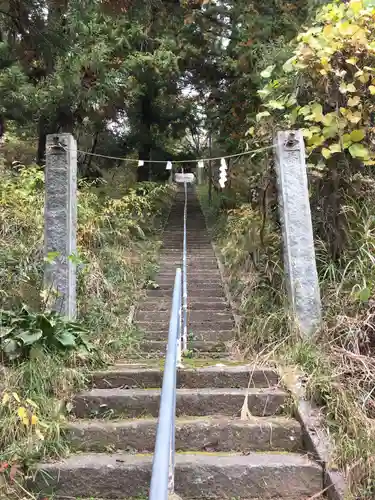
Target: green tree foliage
76, 65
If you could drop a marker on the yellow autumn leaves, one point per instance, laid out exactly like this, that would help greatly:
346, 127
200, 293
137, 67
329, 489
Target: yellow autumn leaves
335, 62
25, 411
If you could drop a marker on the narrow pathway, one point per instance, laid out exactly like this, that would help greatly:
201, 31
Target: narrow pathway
210, 320
220, 456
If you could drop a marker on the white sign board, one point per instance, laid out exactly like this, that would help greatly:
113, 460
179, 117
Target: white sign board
182, 178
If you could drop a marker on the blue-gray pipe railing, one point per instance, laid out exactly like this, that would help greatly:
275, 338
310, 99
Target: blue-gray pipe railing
184, 280
162, 480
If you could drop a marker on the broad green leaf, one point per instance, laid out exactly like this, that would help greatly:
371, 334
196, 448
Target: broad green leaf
66, 339
346, 141
29, 338
330, 132
357, 135
364, 294
305, 110
328, 119
372, 89
356, 6
306, 132
316, 140
10, 347
359, 151
5, 331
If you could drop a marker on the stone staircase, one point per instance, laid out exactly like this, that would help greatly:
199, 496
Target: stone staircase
219, 455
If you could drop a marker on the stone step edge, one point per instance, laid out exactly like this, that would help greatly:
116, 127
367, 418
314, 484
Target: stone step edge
217, 374
219, 336
211, 391
135, 402
228, 369
223, 434
150, 345
276, 473
216, 459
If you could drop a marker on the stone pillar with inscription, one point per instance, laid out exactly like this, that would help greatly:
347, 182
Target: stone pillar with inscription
297, 233
60, 219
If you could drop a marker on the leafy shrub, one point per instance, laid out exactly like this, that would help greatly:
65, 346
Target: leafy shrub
24, 333
334, 99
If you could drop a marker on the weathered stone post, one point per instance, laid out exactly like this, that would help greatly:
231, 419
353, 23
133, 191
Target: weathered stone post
60, 219
297, 232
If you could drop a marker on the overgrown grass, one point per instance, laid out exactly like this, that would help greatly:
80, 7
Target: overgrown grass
118, 240
339, 363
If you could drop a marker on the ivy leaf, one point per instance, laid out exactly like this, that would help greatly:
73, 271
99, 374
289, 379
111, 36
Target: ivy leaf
330, 132
346, 141
352, 60
357, 135
356, 6
354, 101
372, 89
275, 105
316, 140
317, 112
335, 148
354, 117
261, 115
359, 151
288, 66
328, 119
326, 153
266, 73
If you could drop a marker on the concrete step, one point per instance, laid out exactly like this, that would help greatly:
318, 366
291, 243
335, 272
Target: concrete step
207, 252
152, 310
166, 291
192, 270
192, 263
192, 283
193, 287
177, 246
200, 317
148, 308
156, 326
193, 275
204, 335
193, 345
216, 476
134, 403
220, 376
209, 434
172, 236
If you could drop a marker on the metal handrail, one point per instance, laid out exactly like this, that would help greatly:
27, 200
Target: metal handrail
184, 279
162, 480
